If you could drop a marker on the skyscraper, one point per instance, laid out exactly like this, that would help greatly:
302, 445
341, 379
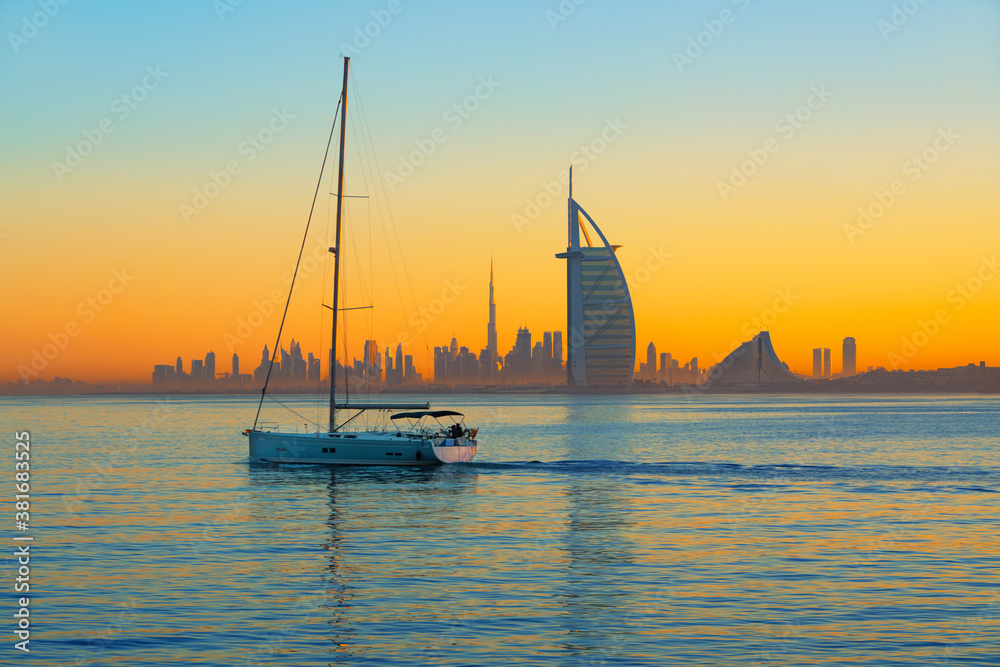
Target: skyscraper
522, 356
409, 373
197, 371
236, 367
372, 368
523, 343
826, 362
651, 361
817, 363
850, 365
546, 353
491, 328
179, 370
163, 374
666, 363
600, 323
440, 365
260, 374
210, 367
284, 368
557, 348
299, 368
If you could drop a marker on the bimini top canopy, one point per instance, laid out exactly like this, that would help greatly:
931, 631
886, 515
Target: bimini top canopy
427, 413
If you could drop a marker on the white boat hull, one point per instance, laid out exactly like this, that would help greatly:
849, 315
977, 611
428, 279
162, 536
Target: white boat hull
460, 450
397, 449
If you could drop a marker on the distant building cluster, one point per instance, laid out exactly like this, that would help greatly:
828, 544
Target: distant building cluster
969, 378
849, 361
399, 370
541, 363
668, 371
202, 375
290, 367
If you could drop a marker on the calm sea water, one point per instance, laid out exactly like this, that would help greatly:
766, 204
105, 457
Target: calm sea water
589, 531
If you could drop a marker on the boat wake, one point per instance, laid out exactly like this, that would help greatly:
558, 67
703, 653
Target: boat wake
980, 479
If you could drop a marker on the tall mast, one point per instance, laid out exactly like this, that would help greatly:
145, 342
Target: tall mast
336, 250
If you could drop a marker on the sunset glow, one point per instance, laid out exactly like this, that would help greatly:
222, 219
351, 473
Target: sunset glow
802, 169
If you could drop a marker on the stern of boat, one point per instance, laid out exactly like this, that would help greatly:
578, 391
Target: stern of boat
455, 450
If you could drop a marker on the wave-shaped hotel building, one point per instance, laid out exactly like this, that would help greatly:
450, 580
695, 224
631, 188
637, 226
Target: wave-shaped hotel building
752, 363
600, 322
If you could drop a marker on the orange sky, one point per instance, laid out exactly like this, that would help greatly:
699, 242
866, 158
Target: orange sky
654, 188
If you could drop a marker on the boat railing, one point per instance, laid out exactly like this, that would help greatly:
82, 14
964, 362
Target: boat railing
267, 427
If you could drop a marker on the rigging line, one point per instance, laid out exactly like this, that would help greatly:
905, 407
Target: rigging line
369, 151
305, 236
348, 220
357, 258
366, 172
427, 356
348, 367
344, 281
371, 272
374, 157
361, 280
392, 223
357, 144
320, 402
358, 140
371, 318
300, 416
319, 376
342, 323
364, 157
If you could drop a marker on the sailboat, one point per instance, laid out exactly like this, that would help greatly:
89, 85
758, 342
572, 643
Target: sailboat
413, 434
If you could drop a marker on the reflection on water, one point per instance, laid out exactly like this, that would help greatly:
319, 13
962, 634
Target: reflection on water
380, 521
599, 568
338, 586
590, 530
